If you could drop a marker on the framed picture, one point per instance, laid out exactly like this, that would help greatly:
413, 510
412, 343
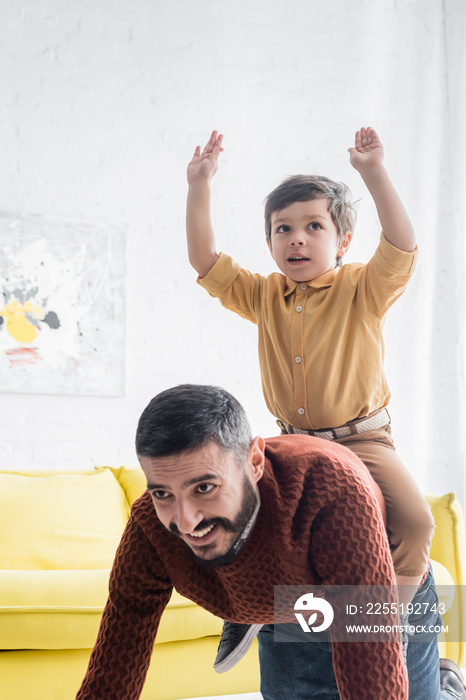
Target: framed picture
62, 306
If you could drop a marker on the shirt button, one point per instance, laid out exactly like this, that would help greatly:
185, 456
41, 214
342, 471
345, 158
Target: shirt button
301, 411
303, 286
297, 359
299, 308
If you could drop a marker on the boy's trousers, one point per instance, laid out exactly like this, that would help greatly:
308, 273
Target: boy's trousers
410, 522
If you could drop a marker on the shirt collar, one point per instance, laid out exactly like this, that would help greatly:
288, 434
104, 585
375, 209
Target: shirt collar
325, 280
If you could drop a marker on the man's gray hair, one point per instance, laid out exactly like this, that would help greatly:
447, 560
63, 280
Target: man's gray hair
189, 416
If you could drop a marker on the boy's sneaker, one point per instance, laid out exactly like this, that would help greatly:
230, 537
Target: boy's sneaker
236, 640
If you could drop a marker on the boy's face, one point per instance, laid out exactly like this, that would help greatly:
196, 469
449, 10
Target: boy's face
304, 240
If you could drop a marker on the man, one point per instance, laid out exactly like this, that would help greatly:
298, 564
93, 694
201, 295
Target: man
225, 518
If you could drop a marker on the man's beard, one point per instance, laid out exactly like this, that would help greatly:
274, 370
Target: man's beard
237, 526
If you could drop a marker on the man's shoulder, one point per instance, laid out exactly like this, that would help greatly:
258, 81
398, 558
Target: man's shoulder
309, 449
311, 459
141, 504
143, 513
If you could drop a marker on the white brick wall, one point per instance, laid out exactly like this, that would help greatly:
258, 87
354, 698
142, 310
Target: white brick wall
102, 104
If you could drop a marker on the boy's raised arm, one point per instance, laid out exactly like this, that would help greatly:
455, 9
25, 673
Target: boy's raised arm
367, 158
200, 235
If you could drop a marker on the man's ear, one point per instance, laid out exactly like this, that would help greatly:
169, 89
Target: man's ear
256, 458
344, 244
270, 247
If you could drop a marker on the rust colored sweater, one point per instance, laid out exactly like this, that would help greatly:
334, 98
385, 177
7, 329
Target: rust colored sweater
319, 522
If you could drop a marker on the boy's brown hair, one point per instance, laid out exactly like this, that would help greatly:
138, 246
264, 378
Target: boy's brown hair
303, 188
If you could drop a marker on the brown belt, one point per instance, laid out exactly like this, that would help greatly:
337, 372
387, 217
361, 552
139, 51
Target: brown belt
379, 419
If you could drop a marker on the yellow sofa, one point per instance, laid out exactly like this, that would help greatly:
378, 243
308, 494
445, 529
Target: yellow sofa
58, 535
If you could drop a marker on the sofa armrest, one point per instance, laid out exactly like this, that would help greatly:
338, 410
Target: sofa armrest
448, 548
448, 545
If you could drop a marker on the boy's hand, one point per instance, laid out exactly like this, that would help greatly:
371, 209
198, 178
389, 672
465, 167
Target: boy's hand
367, 158
367, 151
203, 166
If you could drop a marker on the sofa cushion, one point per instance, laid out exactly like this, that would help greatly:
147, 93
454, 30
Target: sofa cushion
132, 480
60, 521
51, 609
62, 610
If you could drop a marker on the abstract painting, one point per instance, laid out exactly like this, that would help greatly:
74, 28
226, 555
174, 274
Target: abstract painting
62, 306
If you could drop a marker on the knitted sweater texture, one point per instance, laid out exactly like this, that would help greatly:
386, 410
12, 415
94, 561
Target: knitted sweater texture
319, 523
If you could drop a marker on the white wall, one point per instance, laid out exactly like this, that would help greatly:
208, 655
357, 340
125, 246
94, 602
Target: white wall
102, 103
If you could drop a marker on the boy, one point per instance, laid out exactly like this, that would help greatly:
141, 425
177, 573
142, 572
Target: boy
320, 330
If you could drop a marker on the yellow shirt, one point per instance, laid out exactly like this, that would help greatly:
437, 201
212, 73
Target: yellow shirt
320, 342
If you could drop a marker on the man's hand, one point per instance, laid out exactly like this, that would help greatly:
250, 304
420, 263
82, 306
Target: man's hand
203, 166
367, 151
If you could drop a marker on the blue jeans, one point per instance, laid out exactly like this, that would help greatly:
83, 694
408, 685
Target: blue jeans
304, 670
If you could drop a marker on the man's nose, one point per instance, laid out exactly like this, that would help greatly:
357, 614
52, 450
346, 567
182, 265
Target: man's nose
187, 517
